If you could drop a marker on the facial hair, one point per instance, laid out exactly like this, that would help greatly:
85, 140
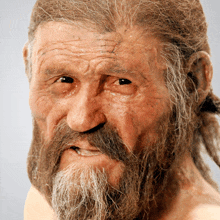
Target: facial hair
145, 176
44, 157
79, 194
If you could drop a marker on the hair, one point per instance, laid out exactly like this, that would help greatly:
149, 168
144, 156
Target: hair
81, 191
88, 183
181, 27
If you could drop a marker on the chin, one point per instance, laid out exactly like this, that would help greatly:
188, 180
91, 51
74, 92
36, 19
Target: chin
102, 162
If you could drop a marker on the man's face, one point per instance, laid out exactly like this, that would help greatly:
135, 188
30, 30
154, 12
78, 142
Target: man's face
87, 79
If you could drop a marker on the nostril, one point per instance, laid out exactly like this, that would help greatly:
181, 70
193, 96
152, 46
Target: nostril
94, 129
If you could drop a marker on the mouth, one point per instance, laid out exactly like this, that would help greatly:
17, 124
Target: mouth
86, 152
83, 155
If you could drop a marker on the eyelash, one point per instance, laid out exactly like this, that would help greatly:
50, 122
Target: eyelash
122, 81
70, 79
126, 81
113, 84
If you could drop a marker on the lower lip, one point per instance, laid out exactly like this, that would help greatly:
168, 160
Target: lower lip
70, 156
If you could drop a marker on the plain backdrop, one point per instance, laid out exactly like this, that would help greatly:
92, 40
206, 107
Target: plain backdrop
15, 116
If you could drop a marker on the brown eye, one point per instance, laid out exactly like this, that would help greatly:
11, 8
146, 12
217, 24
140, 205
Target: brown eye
118, 85
63, 85
66, 79
124, 82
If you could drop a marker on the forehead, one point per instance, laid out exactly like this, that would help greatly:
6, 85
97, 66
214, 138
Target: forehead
132, 46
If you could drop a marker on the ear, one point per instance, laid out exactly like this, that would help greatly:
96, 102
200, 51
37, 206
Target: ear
26, 60
199, 69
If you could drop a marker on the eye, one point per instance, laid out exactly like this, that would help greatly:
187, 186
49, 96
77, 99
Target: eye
120, 85
124, 82
65, 79
63, 85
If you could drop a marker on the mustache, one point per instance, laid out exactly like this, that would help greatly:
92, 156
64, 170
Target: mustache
104, 137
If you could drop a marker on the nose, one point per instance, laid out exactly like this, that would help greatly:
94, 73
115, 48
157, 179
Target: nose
85, 112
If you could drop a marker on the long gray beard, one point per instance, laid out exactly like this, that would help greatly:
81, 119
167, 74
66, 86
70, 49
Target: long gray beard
80, 194
85, 194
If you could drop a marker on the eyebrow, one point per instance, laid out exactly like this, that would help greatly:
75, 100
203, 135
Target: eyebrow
115, 68
54, 71
119, 69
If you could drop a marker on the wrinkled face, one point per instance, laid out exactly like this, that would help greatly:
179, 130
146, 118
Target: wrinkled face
89, 79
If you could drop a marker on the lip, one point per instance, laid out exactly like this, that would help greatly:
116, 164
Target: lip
70, 156
85, 152
100, 161
83, 148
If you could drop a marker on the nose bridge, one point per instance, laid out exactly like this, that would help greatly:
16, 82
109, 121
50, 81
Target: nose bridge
85, 109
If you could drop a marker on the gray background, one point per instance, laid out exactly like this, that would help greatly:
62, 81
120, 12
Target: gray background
15, 116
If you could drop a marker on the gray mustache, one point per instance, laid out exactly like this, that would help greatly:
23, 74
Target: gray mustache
104, 137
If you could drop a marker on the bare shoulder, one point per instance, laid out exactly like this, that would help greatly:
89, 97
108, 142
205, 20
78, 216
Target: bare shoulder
204, 212
204, 205
196, 201
190, 206
201, 201
36, 207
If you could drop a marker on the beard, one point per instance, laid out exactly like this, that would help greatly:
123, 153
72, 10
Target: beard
79, 193
147, 185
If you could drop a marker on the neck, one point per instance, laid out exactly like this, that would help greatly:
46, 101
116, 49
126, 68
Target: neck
181, 176
191, 191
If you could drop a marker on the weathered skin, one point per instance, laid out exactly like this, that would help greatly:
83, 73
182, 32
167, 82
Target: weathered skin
96, 62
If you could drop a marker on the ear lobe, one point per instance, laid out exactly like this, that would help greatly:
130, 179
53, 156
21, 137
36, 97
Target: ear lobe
25, 58
25, 53
200, 70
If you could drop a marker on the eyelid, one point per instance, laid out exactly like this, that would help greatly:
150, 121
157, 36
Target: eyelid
112, 84
116, 80
128, 81
58, 77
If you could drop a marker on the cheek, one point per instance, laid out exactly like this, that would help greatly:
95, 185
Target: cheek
121, 116
136, 118
40, 105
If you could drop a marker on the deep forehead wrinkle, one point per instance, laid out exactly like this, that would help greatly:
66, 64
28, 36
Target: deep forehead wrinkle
82, 41
80, 47
67, 45
80, 38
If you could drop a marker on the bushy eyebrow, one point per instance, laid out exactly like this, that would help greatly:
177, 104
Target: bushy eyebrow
54, 71
118, 69
49, 72
111, 69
